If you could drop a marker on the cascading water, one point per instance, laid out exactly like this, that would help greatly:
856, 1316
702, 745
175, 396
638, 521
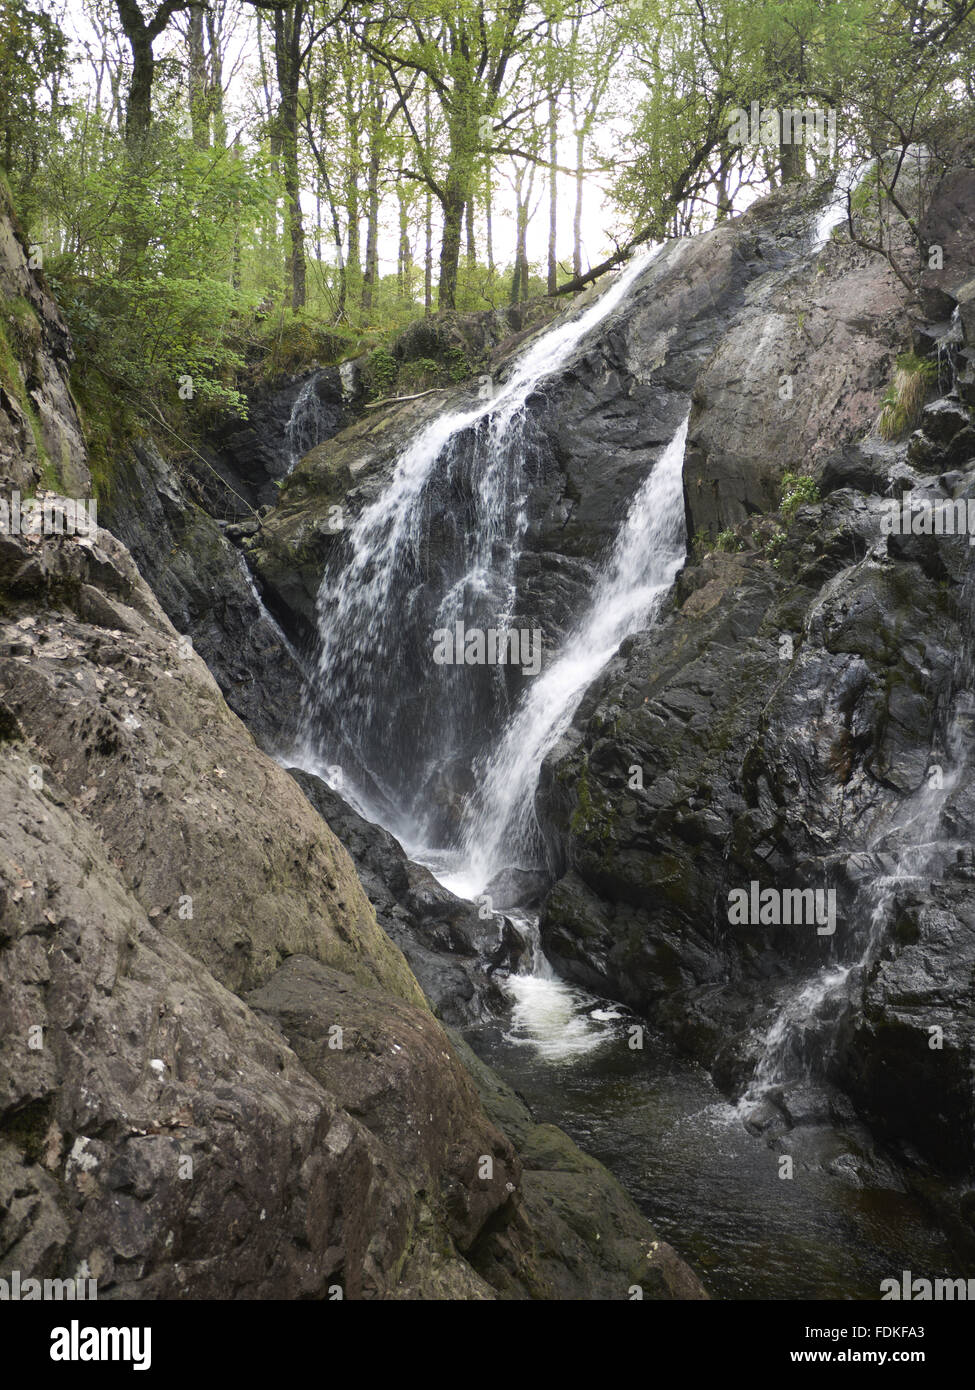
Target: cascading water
910, 849
648, 552
438, 547
309, 423
801, 1040
836, 210
441, 544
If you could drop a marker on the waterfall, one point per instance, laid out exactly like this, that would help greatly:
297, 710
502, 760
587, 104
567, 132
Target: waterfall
439, 546
648, 552
309, 423
911, 848
848, 180
800, 1043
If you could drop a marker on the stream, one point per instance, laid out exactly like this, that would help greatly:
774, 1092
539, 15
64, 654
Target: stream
680, 1149
683, 1151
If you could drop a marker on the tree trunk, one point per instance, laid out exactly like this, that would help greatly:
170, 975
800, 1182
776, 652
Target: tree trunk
371, 276
792, 162
287, 45
138, 110
427, 215
489, 226
428, 256
577, 217
553, 205
471, 241
405, 249
453, 217
196, 81
215, 94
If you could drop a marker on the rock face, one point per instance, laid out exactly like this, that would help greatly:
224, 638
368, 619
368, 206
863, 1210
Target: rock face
798, 719
607, 417
450, 948
204, 586
786, 715
38, 426
218, 1075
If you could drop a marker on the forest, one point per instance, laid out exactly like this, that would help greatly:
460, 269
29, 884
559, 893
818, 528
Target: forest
210, 185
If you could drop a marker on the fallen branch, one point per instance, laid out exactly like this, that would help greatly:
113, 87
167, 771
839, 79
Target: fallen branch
394, 400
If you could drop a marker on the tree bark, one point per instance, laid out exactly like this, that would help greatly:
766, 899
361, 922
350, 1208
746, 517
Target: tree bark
196, 81
553, 203
371, 276
287, 49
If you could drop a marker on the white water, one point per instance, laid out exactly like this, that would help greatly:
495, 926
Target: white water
391, 522
362, 610
648, 552
308, 423
803, 1034
559, 1022
464, 477
847, 181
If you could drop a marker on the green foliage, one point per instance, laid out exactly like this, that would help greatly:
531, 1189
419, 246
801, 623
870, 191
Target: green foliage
33, 68
774, 545
729, 540
903, 401
459, 366
797, 488
149, 288
380, 372
700, 544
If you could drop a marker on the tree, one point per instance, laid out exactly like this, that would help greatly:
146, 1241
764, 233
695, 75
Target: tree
469, 56
141, 34
33, 66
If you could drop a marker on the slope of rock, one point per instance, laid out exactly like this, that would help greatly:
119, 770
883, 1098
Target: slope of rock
218, 1076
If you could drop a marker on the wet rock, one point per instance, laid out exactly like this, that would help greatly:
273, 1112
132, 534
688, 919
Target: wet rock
576, 1234
449, 946
204, 586
943, 419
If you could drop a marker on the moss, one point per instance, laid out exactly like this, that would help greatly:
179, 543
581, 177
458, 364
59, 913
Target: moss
418, 375
27, 1128
290, 343
14, 383
590, 821
109, 425
379, 373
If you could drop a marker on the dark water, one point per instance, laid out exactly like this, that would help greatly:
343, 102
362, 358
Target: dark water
710, 1188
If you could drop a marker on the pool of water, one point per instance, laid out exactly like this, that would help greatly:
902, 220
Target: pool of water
682, 1152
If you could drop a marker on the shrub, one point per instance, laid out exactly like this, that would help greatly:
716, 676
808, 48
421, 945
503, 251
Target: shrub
797, 488
903, 401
